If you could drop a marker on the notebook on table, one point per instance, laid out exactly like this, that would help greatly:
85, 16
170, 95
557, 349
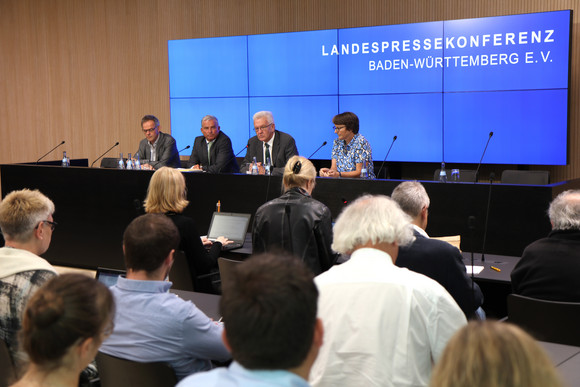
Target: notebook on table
231, 225
108, 276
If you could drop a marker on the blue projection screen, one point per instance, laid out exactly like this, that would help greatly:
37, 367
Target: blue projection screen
440, 87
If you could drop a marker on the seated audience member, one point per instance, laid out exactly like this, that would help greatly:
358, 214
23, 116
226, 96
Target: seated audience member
166, 194
268, 143
152, 324
491, 353
27, 224
349, 150
383, 325
63, 326
269, 309
295, 222
157, 149
213, 151
550, 267
436, 259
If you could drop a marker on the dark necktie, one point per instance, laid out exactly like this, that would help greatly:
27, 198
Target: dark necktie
267, 153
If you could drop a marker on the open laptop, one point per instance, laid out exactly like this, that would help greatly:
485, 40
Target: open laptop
108, 276
230, 225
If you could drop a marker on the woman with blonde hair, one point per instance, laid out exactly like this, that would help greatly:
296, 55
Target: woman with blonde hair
493, 354
63, 326
295, 222
167, 194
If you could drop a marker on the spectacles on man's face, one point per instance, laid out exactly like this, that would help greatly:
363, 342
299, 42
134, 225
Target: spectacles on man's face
262, 128
149, 130
51, 224
338, 128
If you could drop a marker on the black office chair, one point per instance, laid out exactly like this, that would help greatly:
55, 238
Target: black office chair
110, 162
117, 372
513, 176
7, 372
180, 274
552, 321
226, 266
465, 175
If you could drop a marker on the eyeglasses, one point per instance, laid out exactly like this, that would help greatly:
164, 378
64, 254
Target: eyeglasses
149, 130
338, 128
262, 128
51, 224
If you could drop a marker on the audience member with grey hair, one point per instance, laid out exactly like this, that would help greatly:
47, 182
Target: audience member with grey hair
376, 315
434, 258
550, 267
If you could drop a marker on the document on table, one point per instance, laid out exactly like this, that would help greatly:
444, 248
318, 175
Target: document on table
476, 269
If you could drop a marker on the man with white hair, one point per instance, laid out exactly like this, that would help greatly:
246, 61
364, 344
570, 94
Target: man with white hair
434, 258
383, 325
550, 267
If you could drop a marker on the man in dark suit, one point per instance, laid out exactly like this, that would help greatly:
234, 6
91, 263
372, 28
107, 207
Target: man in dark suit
269, 143
550, 267
157, 149
434, 258
213, 151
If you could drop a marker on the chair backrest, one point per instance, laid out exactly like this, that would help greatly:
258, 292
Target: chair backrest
551, 321
514, 176
110, 162
465, 175
7, 372
180, 274
226, 266
117, 372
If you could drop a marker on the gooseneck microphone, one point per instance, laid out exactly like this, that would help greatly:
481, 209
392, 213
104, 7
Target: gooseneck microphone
171, 156
491, 177
107, 151
483, 154
313, 153
231, 158
44, 155
387, 155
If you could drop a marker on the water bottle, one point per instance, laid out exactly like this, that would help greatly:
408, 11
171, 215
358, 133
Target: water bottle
443, 174
129, 161
267, 166
364, 173
455, 175
120, 163
65, 160
254, 166
137, 162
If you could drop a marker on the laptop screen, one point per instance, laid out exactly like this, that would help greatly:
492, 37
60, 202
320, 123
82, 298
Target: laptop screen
108, 276
230, 225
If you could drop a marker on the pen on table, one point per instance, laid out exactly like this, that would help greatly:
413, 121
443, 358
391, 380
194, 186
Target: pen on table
220, 320
494, 268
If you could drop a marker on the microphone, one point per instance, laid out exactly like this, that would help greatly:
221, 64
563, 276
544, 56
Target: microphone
231, 158
44, 155
171, 156
387, 155
491, 177
313, 153
483, 154
98, 158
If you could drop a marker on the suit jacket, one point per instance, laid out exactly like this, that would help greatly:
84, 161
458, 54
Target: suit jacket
284, 147
550, 268
442, 262
167, 154
222, 155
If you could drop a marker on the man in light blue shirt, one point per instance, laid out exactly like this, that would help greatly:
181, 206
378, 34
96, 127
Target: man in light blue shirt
152, 324
269, 307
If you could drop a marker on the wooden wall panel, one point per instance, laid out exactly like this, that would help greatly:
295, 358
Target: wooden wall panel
85, 71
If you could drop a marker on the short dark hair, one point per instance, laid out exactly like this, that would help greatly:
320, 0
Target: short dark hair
348, 119
269, 308
67, 308
148, 240
150, 117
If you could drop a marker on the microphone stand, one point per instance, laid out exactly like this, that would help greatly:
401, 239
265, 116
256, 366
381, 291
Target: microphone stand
491, 177
483, 154
232, 158
44, 155
313, 153
385, 159
108, 150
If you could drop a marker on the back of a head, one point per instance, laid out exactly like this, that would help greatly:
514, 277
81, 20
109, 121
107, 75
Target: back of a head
564, 211
348, 119
411, 197
166, 192
21, 211
68, 308
269, 309
148, 240
493, 354
376, 219
298, 171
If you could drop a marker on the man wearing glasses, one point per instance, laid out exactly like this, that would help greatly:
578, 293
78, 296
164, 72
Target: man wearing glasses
268, 143
157, 149
27, 225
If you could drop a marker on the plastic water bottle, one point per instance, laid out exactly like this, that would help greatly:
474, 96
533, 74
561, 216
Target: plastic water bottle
364, 173
120, 163
267, 166
254, 166
443, 174
65, 160
129, 161
137, 162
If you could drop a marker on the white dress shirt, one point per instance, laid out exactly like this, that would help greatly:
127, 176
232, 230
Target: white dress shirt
383, 325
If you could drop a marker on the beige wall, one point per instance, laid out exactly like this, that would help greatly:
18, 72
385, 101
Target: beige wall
85, 71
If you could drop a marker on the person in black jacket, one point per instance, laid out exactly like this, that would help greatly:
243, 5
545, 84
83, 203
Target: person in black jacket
295, 222
166, 194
